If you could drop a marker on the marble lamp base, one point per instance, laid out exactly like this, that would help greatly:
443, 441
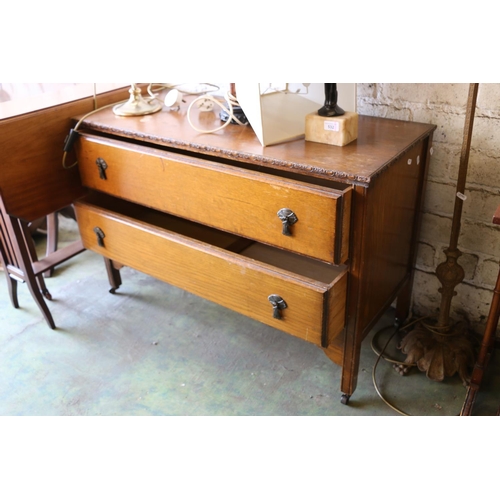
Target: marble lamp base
336, 130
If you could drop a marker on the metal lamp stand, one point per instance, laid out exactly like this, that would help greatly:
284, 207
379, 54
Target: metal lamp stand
446, 348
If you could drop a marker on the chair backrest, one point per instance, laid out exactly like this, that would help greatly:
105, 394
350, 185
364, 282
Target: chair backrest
8, 255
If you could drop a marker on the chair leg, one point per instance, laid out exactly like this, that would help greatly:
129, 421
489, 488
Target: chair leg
4, 252
33, 257
27, 253
38, 297
12, 286
43, 288
52, 238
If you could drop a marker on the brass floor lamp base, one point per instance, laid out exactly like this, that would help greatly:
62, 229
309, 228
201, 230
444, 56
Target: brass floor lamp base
441, 350
440, 353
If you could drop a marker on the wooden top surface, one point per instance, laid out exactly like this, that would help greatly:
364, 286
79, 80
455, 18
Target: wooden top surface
380, 142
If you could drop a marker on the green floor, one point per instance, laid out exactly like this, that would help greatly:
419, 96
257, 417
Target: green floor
152, 349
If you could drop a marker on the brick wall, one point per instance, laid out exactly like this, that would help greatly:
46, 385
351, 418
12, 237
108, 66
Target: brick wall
444, 105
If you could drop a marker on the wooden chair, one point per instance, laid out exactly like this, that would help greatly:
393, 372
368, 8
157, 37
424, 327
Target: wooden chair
50, 226
487, 343
33, 185
20, 261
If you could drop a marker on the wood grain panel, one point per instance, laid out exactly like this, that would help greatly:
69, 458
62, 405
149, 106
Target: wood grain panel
346, 226
33, 182
388, 227
336, 315
239, 283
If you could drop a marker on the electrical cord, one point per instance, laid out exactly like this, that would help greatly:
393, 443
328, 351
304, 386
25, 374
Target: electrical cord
272, 90
380, 355
231, 101
152, 90
159, 87
73, 134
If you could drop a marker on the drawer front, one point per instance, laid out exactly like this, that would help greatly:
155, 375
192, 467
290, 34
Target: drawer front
315, 310
233, 199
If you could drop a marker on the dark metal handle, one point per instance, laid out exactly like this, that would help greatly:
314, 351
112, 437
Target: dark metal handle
101, 166
278, 304
100, 236
288, 218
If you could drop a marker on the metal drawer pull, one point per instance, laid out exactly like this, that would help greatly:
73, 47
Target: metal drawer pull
102, 166
278, 304
100, 236
288, 218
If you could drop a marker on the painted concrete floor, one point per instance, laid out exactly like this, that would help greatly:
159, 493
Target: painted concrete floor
152, 349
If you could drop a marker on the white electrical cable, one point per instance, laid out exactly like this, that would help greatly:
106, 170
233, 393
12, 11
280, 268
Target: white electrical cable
381, 355
231, 101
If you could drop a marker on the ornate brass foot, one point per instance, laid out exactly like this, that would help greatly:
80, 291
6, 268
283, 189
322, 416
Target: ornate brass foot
440, 353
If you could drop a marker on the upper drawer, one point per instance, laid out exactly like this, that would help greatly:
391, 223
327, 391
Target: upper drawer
230, 198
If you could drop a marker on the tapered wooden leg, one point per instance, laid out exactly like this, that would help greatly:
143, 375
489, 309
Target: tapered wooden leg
114, 276
346, 358
349, 376
350, 363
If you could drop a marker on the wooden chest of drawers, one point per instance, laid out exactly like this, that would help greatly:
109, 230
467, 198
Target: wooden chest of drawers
314, 240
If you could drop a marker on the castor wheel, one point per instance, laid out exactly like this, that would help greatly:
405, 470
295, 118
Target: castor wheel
112, 290
344, 399
46, 294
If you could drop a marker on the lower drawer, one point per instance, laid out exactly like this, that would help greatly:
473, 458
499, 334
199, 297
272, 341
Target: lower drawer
300, 296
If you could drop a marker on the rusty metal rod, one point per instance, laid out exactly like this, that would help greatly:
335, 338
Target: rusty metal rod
450, 273
464, 164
